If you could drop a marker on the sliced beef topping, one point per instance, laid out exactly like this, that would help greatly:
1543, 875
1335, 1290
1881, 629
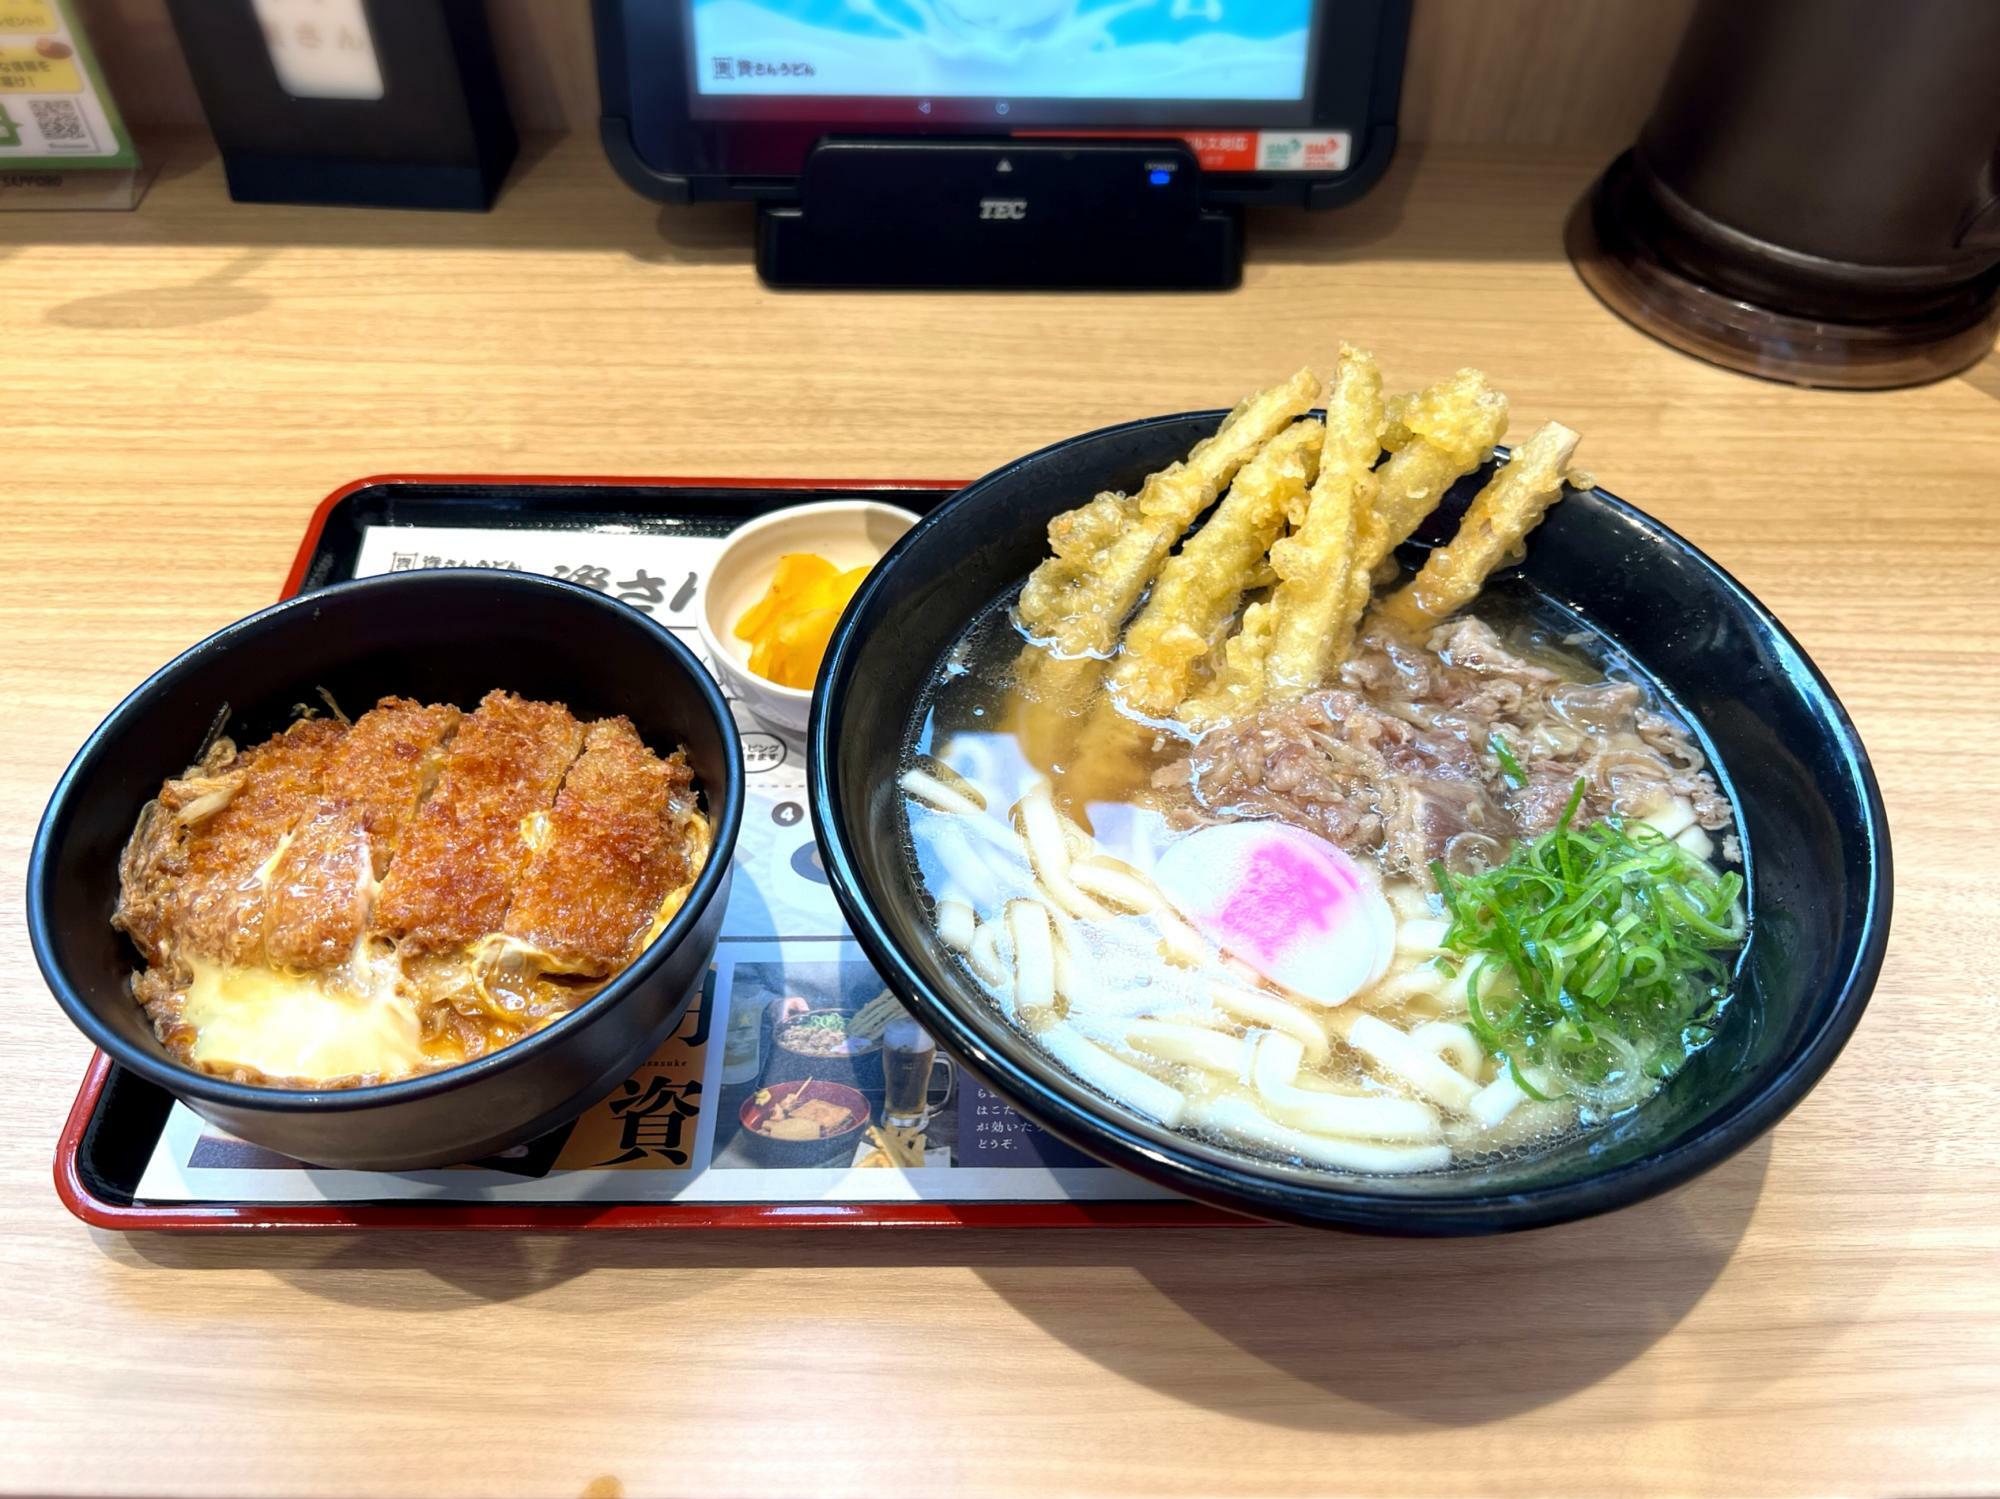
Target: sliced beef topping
1401, 758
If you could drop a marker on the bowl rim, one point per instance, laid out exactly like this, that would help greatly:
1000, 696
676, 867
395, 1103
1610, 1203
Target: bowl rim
1208, 1173
718, 646
156, 1066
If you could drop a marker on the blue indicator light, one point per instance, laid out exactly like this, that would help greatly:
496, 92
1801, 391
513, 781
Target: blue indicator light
1160, 176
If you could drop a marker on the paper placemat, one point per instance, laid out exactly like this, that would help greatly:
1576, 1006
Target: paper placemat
671, 1132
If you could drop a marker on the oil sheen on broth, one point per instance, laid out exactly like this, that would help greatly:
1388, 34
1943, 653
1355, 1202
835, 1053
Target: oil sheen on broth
1297, 931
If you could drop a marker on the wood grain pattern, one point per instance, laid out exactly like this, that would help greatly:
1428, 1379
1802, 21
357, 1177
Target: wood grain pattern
1572, 73
181, 385
1576, 73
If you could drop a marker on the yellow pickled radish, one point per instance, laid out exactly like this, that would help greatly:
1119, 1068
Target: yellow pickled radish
788, 629
796, 571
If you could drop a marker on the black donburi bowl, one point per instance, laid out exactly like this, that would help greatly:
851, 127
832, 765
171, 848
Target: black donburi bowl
438, 636
1818, 844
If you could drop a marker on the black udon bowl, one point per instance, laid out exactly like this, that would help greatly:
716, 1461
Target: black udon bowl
1818, 844
437, 636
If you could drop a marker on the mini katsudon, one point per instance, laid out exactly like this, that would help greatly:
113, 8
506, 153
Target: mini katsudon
350, 903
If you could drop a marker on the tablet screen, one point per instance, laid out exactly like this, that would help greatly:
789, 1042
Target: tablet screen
1010, 63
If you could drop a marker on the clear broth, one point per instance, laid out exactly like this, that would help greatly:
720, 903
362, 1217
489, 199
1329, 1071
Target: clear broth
973, 718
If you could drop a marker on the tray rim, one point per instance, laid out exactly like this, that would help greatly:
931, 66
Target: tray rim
84, 1204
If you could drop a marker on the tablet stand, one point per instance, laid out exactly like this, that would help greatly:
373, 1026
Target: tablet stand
959, 213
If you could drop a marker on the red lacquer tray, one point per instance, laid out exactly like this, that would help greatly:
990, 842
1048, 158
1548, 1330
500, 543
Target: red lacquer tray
117, 1119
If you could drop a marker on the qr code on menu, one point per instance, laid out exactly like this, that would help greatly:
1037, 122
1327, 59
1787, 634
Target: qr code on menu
62, 124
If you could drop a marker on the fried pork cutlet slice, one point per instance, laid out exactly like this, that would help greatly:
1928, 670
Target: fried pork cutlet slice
163, 996
370, 789
195, 876
617, 846
455, 870
155, 856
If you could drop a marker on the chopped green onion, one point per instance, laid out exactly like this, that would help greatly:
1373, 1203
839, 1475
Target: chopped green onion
1521, 1082
1509, 766
1610, 938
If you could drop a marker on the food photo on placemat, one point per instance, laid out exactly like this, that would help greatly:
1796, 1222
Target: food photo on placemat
830, 1070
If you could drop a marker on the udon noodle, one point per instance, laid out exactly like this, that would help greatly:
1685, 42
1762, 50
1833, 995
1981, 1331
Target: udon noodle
1440, 885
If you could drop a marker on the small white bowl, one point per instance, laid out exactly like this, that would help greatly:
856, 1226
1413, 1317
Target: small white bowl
848, 533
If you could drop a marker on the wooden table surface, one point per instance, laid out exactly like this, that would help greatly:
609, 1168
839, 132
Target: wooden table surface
181, 385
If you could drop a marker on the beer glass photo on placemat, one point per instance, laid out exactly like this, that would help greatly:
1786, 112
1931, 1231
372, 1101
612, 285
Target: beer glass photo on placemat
909, 1059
